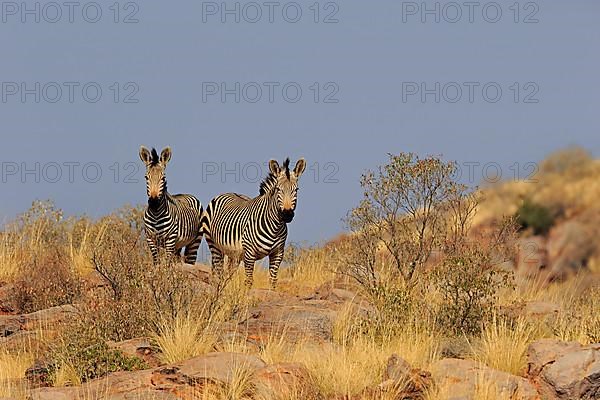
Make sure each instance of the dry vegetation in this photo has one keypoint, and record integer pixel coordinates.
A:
(434, 288)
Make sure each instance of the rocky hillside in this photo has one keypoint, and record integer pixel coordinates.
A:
(251, 358)
(559, 211)
(85, 314)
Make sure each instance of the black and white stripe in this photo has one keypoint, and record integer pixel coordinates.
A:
(249, 229)
(172, 222)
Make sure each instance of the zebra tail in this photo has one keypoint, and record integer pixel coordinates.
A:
(204, 223)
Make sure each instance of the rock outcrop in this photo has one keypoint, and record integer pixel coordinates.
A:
(185, 380)
(465, 378)
(565, 370)
(192, 379)
(11, 324)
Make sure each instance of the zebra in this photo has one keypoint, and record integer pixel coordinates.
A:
(171, 222)
(249, 229)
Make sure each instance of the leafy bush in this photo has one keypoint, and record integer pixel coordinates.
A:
(138, 299)
(394, 303)
(469, 277)
(534, 216)
(47, 282)
(468, 285)
(140, 295)
(81, 351)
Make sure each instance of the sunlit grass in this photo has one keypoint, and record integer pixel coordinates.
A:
(185, 337)
(66, 375)
(311, 269)
(239, 386)
(12, 372)
(503, 345)
(80, 248)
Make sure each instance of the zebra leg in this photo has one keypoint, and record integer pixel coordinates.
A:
(216, 257)
(274, 262)
(249, 268)
(153, 250)
(191, 251)
(171, 250)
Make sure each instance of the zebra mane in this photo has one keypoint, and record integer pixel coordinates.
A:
(268, 184)
(286, 165)
(155, 157)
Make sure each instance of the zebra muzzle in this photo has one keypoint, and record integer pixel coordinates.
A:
(154, 201)
(287, 216)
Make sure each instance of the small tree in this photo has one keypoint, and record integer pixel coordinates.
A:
(404, 209)
(412, 233)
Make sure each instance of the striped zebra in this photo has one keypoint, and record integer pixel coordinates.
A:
(171, 222)
(249, 229)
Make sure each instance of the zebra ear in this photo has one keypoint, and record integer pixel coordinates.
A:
(300, 167)
(274, 167)
(165, 156)
(145, 155)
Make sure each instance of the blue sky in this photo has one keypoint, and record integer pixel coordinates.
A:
(478, 88)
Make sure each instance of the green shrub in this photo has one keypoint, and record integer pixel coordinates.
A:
(84, 351)
(468, 284)
(534, 216)
(96, 361)
(393, 304)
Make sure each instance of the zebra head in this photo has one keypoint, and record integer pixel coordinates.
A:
(156, 182)
(286, 186)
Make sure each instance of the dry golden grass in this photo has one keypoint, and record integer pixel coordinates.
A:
(354, 361)
(348, 369)
(581, 322)
(503, 345)
(239, 386)
(564, 294)
(66, 375)
(186, 337)
(82, 238)
(276, 348)
(12, 372)
(27, 237)
(10, 257)
(488, 390)
(309, 269)
(418, 342)
(345, 370)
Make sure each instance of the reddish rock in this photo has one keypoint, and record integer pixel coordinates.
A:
(461, 379)
(565, 370)
(285, 381)
(296, 319)
(185, 380)
(569, 248)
